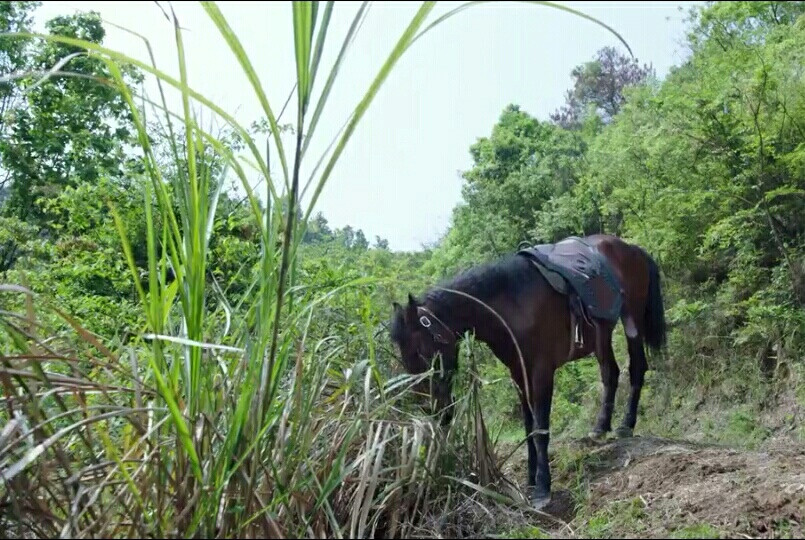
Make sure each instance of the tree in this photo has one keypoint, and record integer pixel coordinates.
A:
(381, 243)
(516, 170)
(70, 130)
(598, 87)
(724, 25)
(14, 58)
(318, 230)
(360, 243)
(346, 236)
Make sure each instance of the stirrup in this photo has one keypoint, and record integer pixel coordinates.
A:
(579, 336)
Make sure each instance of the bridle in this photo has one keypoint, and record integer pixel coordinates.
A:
(425, 316)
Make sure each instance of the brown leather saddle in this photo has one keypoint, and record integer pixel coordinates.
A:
(579, 271)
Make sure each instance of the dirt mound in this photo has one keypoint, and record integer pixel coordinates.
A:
(651, 487)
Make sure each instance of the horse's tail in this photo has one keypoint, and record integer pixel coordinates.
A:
(654, 318)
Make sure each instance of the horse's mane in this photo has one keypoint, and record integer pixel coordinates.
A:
(509, 274)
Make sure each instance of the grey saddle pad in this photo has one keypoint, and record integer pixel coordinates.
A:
(584, 270)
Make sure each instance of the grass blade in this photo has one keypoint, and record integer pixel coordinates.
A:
(325, 24)
(350, 37)
(303, 36)
(462, 7)
(240, 54)
(402, 44)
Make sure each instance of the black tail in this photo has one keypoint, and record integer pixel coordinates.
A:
(655, 312)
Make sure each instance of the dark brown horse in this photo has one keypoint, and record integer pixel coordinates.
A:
(510, 305)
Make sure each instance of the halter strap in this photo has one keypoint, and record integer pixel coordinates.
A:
(424, 320)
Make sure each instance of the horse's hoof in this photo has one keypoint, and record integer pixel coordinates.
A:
(597, 434)
(624, 432)
(538, 498)
(540, 501)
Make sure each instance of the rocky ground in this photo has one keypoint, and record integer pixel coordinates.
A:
(658, 488)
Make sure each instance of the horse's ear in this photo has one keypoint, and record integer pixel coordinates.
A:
(411, 309)
(397, 307)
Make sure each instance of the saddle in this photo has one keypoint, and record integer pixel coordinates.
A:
(580, 272)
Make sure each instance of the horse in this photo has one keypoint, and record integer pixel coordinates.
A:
(531, 326)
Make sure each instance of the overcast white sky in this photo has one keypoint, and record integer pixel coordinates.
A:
(399, 175)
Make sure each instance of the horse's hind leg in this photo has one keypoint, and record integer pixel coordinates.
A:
(609, 377)
(637, 370)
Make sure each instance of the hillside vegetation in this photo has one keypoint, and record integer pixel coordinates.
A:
(185, 354)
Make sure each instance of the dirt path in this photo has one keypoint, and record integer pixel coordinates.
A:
(651, 487)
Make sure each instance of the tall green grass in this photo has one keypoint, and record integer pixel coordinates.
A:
(277, 433)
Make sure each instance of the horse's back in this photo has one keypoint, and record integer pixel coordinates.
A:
(628, 260)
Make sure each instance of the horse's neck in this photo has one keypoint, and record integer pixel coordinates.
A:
(489, 327)
(478, 319)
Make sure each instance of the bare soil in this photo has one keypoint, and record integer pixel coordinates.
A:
(655, 488)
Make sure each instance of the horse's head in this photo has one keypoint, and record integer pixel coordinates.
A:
(425, 341)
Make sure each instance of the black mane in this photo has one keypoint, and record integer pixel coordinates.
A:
(509, 274)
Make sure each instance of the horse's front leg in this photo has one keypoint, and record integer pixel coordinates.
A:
(528, 423)
(542, 395)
